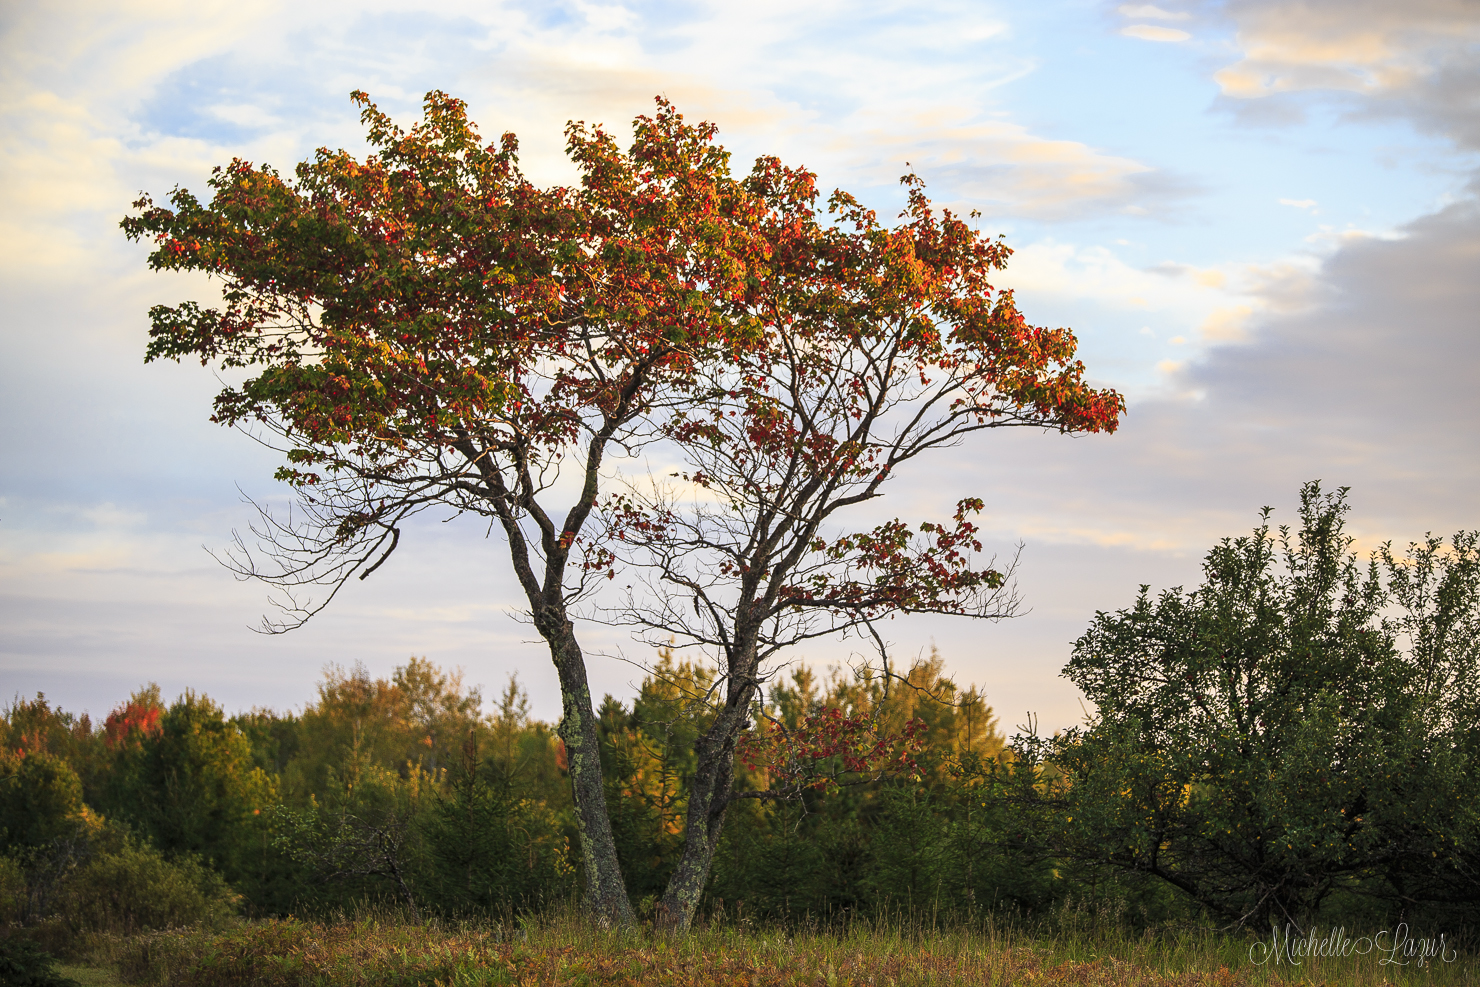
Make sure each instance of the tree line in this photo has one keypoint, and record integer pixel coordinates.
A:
(1293, 741)
(406, 790)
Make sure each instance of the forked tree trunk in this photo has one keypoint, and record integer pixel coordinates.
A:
(606, 894)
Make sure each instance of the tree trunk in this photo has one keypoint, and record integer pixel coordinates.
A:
(606, 893)
(709, 797)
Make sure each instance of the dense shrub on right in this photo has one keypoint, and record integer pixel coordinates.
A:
(1295, 740)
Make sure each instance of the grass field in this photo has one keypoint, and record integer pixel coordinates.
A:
(381, 952)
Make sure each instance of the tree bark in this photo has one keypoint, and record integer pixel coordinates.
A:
(709, 798)
(605, 895)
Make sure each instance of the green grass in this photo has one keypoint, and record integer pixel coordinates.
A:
(91, 976)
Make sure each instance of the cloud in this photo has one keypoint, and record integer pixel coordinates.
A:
(1361, 45)
(1003, 168)
(1358, 372)
(154, 93)
(1154, 32)
(1415, 58)
(1299, 203)
(1195, 307)
(850, 110)
(1226, 325)
(998, 166)
(1097, 272)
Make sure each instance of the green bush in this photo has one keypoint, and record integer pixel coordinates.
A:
(12, 891)
(191, 787)
(493, 853)
(135, 889)
(1291, 741)
(25, 964)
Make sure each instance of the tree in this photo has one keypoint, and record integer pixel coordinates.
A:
(867, 348)
(25, 964)
(28, 725)
(428, 328)
(491, 850)
(188, 783)
(46, 830)
(1298, 727)
(40, 799)
(419, 716)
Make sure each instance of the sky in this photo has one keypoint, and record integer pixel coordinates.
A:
(1259, 217)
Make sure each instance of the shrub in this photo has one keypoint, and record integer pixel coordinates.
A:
(12, 891)
(492, 852)
(136, 889)
(189, 786)
(1294, 735)
(25, 964)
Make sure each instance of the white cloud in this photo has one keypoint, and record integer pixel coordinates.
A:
(1186, 299)
(1331, 238)
(996, 166)
(1299, 203)
(608, 18)
(1226, 325)
(78, 144)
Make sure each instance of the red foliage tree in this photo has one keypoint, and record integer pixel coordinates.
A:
(825, 748)
(131, 722)
(425, 327)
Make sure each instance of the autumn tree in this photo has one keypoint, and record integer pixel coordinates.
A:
(425, 327)
(30, 725)
(40, 798)
(866, 347)
(419, 717)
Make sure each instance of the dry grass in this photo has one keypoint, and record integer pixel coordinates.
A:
(377, 952)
